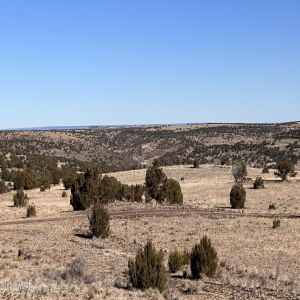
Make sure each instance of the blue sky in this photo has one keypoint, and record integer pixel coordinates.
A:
(99, 62)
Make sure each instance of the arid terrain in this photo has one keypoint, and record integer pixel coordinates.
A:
(132, 147)
(255, 261)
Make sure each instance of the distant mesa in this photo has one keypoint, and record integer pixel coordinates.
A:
(50, 128)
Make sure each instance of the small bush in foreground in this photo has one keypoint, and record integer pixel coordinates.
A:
(147, 270)
(99, 221)
(259, 183)
(31, 212)
(20, 199)
(276, 223)
(237, 196)
(272, 206)
(77, 272)
(64, 194)
(203, 259)
(175, 261)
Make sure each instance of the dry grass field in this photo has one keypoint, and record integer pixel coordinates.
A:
(258, 262)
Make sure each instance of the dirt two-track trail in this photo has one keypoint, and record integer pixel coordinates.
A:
(165, 212)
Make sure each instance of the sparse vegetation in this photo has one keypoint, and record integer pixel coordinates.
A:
(76, 272)
(23, 166)
(85, 189)
(237, 196)
(64, 194)
(31, 211)
(284, 168)
(99, 221)
(147, 269)
(276, 223)
(20, 199)
(272, 206)
(239, 170)
(175, 261)
(154, 180)
(265, 170)
(171, 192)
(259, 183)
(161, 188)
(203, 259)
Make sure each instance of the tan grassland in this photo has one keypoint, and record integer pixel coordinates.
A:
(258, 262)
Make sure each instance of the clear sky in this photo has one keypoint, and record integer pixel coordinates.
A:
(71, 62)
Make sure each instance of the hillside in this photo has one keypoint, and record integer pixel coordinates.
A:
(134, 146)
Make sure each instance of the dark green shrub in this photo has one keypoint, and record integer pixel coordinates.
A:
(30, 181)
(68, 181)
(147, 269)
(237, 196)
(265, 170)
(99, 221)
(171, 192)
(31, 212)
(276, 223)
(259, 183)
(85, 189)
(89, 188)
(154, 180)
(56, 176)
(64, 194)
(272, 206)
(130, 193)
(6, 175)
(18, 181)
(110, 187)
(239, 170)
(138, 193)
(284, 168)
(126, 192)
(196, 163)
(225, 160)
(203, 259)
(42, 188)
(20, 199)
(175, 261)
